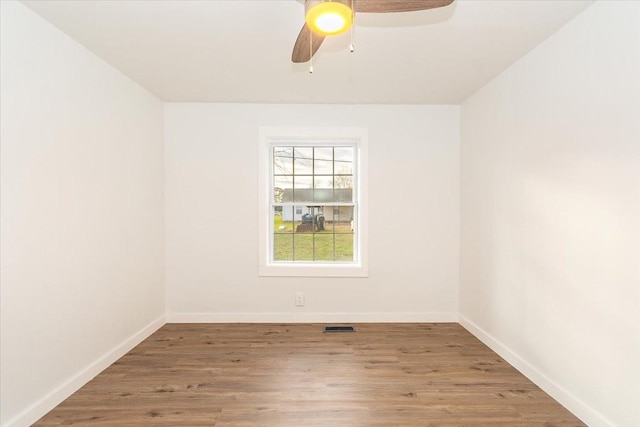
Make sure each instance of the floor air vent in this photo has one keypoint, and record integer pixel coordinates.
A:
(339, 329)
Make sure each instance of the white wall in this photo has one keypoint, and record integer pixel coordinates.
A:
(550, 255)
(211, 216)
(81, 212)
(550, 225)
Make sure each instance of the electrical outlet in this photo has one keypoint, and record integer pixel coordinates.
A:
(299, 299)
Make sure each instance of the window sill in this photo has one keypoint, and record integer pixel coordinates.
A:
(312, 270)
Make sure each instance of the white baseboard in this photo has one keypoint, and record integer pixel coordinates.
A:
(581, 410)
(40, 408)
(312, 317)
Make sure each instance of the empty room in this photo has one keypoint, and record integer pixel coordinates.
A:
(320, 213)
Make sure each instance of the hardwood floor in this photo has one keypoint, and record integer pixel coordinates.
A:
(296, 375)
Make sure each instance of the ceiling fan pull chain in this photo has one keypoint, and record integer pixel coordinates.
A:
(310, 52)
(351, 48)
(353, 19)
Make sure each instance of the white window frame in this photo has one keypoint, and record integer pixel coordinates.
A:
(272, 136)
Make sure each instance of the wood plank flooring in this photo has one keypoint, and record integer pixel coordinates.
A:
(296, 375)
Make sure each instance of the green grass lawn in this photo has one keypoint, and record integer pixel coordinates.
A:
(335, 243)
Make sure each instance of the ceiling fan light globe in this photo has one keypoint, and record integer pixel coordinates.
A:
(330, 23)
(329, 18)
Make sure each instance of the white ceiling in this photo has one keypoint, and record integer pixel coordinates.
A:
(240, 50)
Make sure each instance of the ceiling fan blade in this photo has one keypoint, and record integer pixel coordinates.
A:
(385, 6)
(302, 52)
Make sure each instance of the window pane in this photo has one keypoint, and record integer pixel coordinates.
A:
(283, 160)
(303, 161)
(343, 194)
(323, 167)
(323, 186)
(344, 181)
(303, 247)
(343, 160)
(342, 214)
(283, 247)
(327, 219)
(305, 221)
(283, 219)
(282, 189)
(323, 247)
(344, 247)
(323, 153)
(325, 182)
(303, 189)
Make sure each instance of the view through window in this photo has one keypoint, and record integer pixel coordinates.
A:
(313, 203)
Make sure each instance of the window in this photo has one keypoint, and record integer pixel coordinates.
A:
(313, 202)
(312, 207)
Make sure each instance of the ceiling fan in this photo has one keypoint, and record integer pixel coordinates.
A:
(332, 17)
